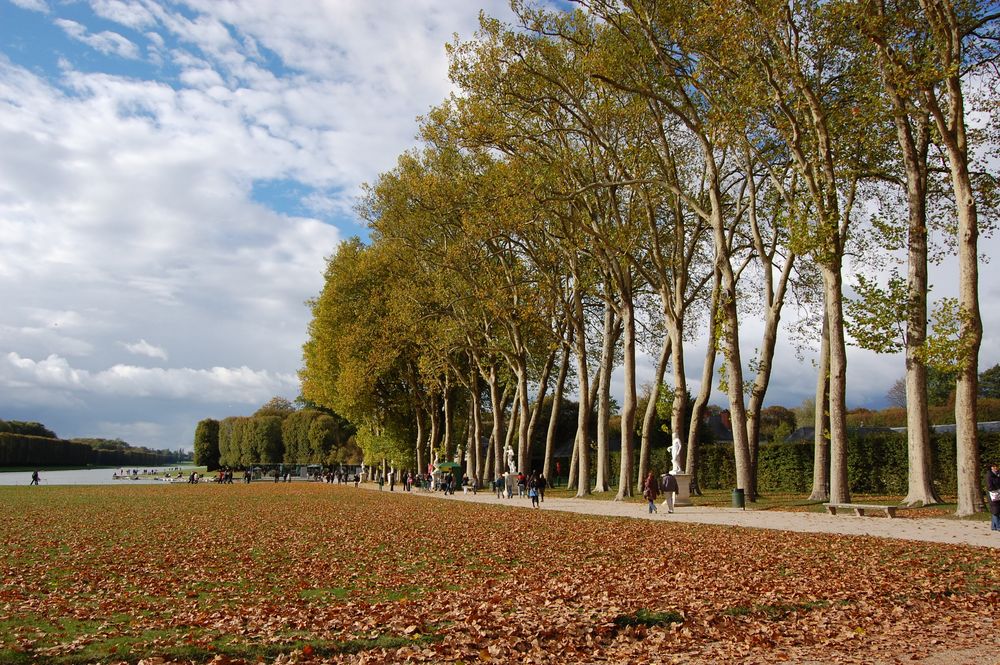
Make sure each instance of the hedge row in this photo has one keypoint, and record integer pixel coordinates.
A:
(877, 463)
(25, 450)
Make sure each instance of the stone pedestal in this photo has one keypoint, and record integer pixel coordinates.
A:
(683, 497)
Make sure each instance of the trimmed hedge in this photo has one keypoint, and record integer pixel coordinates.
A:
(24, 450)
(876, 464)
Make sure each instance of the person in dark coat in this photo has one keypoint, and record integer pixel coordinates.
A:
(993, 489)
(669, 485)
(650, 491)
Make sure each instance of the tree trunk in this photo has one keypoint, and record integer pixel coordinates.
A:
(524, 413)
(488, 473)
(420, 441)
(435, 433)
(821, 421)
(543, 386)
(948, 34)
(602, 483)
(649, 417)
(774, 299)
(679, 411)
(840, 491)
(574, 465)
(920, 482)
(764, 366)
(705, 391)
(449, 442)
(583, 421)
(476, 431)
(497, 402)
(550, 435)
(625, 483)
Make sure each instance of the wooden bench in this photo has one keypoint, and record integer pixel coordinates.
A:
(860, 508)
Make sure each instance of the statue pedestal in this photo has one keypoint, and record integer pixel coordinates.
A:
(683, 497)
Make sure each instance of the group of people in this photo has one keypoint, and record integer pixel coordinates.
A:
(652, 487)
(339, 477)
(445, 482)
(528, 485)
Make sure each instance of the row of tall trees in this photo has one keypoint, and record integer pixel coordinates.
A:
(640, 174)
(276, 433)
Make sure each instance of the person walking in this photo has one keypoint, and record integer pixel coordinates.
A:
(669, 486)
(993, 488)
(34, 477)
(650, 491)
(533, 492)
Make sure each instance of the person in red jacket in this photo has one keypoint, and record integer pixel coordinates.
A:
(650, 491)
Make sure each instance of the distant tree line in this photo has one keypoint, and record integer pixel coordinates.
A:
(33, 444)
(276, 433)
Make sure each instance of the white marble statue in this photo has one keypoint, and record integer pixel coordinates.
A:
(508, 453)
(675, 455)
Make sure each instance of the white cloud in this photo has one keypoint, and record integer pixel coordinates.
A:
(130, 14)
(43, 340)
(107, 42)
(137, 433)
(33, 5)
(144, 348)
(218, 384)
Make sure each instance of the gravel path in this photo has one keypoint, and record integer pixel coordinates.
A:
(934, 530)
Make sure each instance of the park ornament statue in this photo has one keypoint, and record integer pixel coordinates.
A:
(683, 497)
(675, 456)
(509, 455)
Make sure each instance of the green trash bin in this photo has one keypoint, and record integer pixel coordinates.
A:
(739, 499)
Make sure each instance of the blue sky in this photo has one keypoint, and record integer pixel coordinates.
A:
(172, 177)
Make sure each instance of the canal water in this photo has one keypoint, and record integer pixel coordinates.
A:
(94, 476)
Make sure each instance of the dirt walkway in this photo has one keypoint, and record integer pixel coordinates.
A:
(956, 532)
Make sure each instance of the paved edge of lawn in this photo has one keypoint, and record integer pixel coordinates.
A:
(926, 529)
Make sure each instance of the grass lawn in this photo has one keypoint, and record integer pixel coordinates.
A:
(307, 572)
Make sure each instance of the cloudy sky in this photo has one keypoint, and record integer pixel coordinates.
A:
(172, 175)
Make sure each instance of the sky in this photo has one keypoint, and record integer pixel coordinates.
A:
(172, 177)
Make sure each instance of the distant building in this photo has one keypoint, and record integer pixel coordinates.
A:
(991, 426)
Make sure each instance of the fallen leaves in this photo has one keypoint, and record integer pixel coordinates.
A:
(314, 574)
